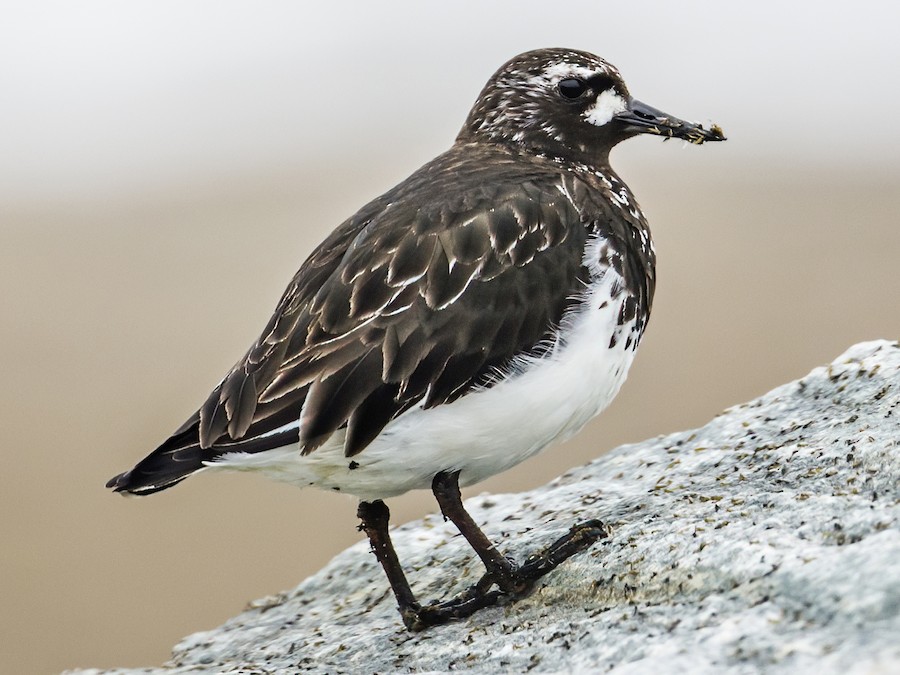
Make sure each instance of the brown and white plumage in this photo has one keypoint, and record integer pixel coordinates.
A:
(516, 252)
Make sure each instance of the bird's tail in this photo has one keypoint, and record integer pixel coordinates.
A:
(172, 462)
(181, 455)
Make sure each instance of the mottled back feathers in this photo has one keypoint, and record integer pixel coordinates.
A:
(440, 285)
(399, 310)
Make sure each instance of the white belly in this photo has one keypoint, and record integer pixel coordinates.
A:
(486, 431)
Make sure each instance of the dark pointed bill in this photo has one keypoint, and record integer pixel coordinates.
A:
(640, 118)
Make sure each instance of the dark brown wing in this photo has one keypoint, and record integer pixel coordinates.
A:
(412, 300)
(418, 298)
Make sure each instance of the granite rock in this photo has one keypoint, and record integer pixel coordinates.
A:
(767, 540)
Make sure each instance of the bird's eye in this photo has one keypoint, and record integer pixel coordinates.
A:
(572, 87)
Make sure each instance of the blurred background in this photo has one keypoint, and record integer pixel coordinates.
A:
(165, 167)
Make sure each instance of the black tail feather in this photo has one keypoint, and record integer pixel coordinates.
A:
(125, 482)
(181, 455)
(169, 464)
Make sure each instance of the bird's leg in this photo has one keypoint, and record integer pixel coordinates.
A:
(375, 516)
(500, 570)
(512, 579)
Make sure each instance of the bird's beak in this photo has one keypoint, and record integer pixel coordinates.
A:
(640, 118)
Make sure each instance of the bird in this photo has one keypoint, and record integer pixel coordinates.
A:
(481, 310)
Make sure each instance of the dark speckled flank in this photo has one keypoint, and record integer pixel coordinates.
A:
(437, 285)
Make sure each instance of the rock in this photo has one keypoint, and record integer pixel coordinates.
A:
(768, 539)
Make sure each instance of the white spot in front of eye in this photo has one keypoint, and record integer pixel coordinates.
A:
(608, 105)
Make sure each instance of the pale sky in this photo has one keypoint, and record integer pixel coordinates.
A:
(104, 97)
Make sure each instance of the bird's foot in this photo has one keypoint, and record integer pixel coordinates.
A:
(504, 586)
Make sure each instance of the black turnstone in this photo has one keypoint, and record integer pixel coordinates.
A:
(487, 306)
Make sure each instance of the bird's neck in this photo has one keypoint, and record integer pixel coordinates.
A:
(569, 159)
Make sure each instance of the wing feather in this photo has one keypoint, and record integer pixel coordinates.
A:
(394, 309)
(333, 398)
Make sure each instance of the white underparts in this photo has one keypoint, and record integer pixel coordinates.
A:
(608, 105)
(535, 402)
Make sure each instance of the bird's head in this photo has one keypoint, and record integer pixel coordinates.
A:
(568, 103)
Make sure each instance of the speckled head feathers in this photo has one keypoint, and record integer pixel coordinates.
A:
(527, 102)
(567, 104)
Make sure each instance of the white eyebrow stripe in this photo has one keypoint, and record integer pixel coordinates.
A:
(608, 105)
(557, 72)
(563, 70)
